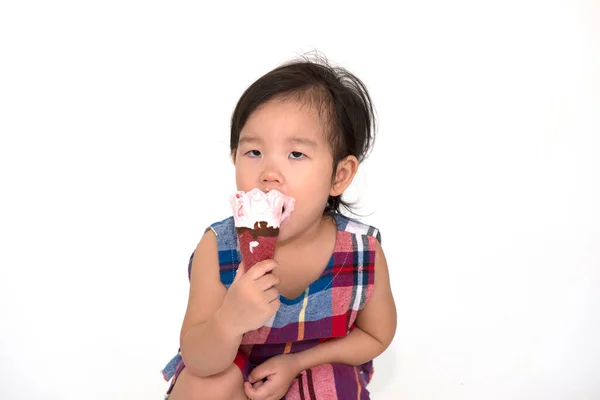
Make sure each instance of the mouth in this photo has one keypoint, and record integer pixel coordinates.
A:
(267, 190)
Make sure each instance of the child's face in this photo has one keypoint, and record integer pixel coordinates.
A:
(283, 146)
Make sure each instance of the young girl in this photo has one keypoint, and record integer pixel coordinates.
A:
(307, 324)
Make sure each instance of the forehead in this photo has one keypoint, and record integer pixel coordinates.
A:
(285, 119)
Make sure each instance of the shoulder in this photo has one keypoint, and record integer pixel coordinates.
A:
(224, 230)
(221, 226)
(356, 227)
(219, 238)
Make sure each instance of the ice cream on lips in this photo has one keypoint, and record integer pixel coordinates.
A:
(255, 206)
(258, 216)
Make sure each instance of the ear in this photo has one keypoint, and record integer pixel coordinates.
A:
(344, 174)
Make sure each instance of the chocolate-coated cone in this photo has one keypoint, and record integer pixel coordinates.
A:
(255, 248)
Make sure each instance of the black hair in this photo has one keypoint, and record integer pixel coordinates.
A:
(341, 99)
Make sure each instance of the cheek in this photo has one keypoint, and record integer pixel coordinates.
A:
(317, 175)
(311, 195)
(242, 178)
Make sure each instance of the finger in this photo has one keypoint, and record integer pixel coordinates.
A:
(253, 393)
(267, 281)
(250, 391)
(264, 391)
(258, 384)
(271, 295)
(261, 268)
(261, 372)
(274, 306)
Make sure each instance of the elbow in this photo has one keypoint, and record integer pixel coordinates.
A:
(389, 337)
(382, 345)
(386, 336)
(377, 349)
(191, 367)
(383, 341)
(377, 344)
(386, 340)
(189, 360)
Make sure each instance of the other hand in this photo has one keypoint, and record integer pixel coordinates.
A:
(279, 371)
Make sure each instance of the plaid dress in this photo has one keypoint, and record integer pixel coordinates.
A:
(327, 309)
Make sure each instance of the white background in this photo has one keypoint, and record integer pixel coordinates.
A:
(484, 181)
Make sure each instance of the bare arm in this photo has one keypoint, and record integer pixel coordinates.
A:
(207, 345)
(374, 331)
(216, 317)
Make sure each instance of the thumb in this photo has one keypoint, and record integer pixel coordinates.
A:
(241, 271)
(250, 390)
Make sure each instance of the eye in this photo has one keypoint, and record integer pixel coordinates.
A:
(254, 153)
(296, 155)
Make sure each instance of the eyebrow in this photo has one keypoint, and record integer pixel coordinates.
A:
(295, 139)
(304, 141)
(248, 139)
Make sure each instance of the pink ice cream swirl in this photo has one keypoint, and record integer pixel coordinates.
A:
(272, 207)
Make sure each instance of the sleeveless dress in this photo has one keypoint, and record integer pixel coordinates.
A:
(327, 309)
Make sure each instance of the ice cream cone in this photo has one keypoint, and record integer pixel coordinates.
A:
(258, 216)
(257, 244)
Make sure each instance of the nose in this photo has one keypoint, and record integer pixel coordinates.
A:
(271, 175)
